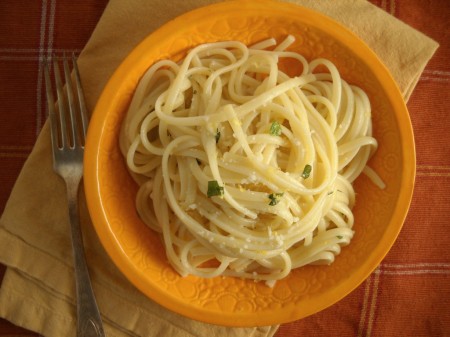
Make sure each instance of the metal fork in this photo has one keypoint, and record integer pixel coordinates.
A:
(68, 130)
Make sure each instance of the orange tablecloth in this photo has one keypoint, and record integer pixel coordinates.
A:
(407, 295)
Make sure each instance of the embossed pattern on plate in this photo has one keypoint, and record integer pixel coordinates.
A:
(379, 214)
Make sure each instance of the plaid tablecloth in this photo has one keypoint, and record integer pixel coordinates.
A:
(407, 295)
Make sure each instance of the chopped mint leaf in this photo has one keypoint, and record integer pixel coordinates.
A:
(274, 198)
(306, 171)
(275, 129)
(214, 189)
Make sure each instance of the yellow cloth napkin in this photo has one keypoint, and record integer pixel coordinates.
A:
(38, 288)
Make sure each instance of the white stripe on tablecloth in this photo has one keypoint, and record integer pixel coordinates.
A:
(435, 75)
(434, 79)
(437, 72)
(373, 302)
(366, 298)
(388, 6)
(416, 272)
(415, 268)
(416, 265)
(39, 79)
(392, 6)
(51, 27)
(31, 54)
(44, 49)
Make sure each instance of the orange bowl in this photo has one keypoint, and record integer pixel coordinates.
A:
(379, 214)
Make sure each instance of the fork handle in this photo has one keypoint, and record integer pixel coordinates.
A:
(89, 323)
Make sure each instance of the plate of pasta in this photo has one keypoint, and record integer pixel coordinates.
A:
(249, 168)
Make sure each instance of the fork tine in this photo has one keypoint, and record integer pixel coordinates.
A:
(72, 110)
(51, 107)
(81, 100)
(61, 105)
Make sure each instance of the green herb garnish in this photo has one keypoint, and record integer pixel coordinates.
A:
(214, 189)
(306, 171)
(217, 136)
(274, 198)
(340, 237)
(275, 129)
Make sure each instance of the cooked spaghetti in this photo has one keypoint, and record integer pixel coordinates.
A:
(245, 170)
